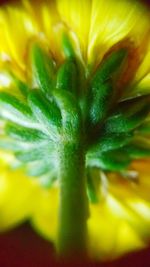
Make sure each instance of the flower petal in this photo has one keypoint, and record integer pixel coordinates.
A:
(76, 15)
(16, 36)
(16, 198)
(113, 21)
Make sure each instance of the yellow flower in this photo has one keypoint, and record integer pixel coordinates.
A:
(120, 221)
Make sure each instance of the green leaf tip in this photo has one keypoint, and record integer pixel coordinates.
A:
(109, 66)
(43, 68)
(46, 113)
(14, 110)
(100, 102)
(67, 46)
(67, 76)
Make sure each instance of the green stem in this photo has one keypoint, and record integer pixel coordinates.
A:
(72, 235)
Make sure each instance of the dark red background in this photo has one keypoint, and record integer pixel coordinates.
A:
(22, 247)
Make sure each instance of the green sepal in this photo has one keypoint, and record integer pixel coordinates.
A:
(46, 113)
(16, 111)
(10, 144)
(42, 151)
(39, 168)
(43, 172)
(24, 134)
(101, 94)
(67, 76)
(67, 47)
(133, 106)
(137, 151)
(30, 155)
(144, 128)
(129, 116)
(110, 66)
(100, 102)
(47, 180)
(43, 69)
(114, 160)
(23, 87)
(92, 188)
(70, 112)
(110, 142)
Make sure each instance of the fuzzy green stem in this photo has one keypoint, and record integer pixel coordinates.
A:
(72, 235)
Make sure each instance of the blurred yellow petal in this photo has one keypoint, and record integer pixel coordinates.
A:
(76, 15)
(16, 198)
(4, 48)
(109, 242)
(143, 168)
(129, 239)
(142, 87)
(17, 39)
(144, 68)
(45, 214)
(113, 21)
(138, 185)
(49, 26)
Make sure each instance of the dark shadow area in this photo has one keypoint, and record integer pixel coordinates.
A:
(22, 247)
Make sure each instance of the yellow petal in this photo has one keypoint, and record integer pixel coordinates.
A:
(144, 68)
(77, 16)
(142, 191)
(140, 85)
(113, 21)
(16, 198)
(49, 26)
(22, 27)
(110, 231)
(45, 214)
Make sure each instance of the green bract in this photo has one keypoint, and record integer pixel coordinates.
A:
(67, 76)
(67, 107)
(43, 69)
